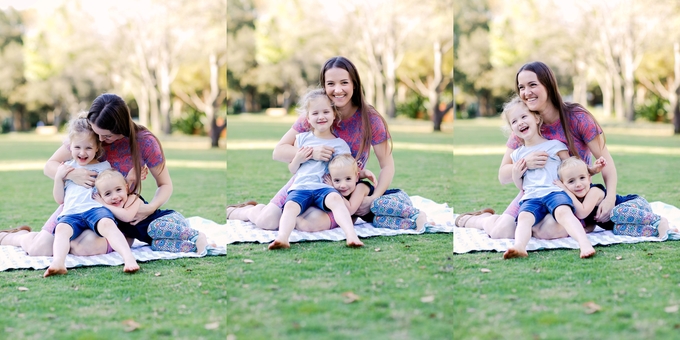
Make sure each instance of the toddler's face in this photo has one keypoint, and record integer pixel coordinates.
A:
(113, 191)
(344, 179)
(576, 179)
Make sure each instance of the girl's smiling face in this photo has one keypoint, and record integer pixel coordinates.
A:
(84, 148)
(320, 114)
(339, 87)
(576, 179)
(524, 124)
(344, 179)
(113, 190)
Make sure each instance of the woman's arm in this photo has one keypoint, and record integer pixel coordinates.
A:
(164, 183)
(80, 176)
(285, 149)
(599, 149)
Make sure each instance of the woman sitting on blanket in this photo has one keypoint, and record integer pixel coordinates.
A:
(569, 123)
(129, 148)
(392, 210)
(360, 126)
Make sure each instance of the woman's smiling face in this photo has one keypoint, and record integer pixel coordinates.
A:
(531, 91)
(338, 86)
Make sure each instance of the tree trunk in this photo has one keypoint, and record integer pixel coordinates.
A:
(439, 115)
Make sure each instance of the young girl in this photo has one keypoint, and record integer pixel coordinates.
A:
(81, 211)
(541, 196)
(308, 188)
(164, 230)
(392, 210)
(632, 215)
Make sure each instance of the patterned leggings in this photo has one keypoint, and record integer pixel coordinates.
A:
(172, 233)
(394, 210)
(635, 218)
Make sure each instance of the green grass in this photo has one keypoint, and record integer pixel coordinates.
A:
(543, 297)
(94, 302)
(298, 293)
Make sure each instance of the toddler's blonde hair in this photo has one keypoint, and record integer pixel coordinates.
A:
(341, 161)
(571, 162)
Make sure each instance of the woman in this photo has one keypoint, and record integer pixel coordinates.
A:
(111, 120)
(570, 123)
(360, 126)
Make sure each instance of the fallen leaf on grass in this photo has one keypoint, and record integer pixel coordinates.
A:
(427, 299)
(22, 289)
(671, 309)
(619, 257)
(350, 297)
(231, 337)
(248, 261)
(157, 274)
(131, 325)
(592, 307)
(212, 325)
(377, 249)
(485, 270)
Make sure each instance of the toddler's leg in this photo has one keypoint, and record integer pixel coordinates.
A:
(634, 212)
(290, 212)
(171, 226)
(566, 218)
(342, 217)
(109, 230)
(525, 221)
(62, 236)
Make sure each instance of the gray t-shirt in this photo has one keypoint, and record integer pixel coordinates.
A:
(78, 199)
(310, 174)
(539, 182)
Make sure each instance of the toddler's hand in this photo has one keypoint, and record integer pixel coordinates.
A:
(368, 174)
(327, 179)
(560, 184)
(597, 167)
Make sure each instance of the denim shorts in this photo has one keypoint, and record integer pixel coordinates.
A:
(86, 220)
(542, 206)
(309, 198)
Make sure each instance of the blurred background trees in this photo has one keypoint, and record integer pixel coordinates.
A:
(619, 57)
(403, 50)
(166, 58)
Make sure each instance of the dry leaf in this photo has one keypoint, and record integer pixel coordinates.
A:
(619, 257)
(350, 297)
(592, 307)
(485, 270)
(23, 289)
(248, 261)
(131, 325)
(212, 325)
(377, 249)
(231, 337)
(671, 309)
(157, 274)
(427, 299)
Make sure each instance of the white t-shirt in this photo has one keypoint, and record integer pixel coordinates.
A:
(78, 199)
(539, 182)
(310, 174)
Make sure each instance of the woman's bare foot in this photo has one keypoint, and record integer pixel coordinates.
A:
(514, 253)
(354, 243)
(55, 270)
(276, 244)
(201, 243)
(663, 227)
(587, 252)
(420, 221)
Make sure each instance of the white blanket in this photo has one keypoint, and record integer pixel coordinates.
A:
(15, 258)
(439, 215)
(467, 239)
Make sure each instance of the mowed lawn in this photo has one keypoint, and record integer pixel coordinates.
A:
(167, 299)
(393, 288)
(624, 292)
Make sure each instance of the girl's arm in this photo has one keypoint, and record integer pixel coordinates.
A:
(599, 149)
(80, 176)
(357, 197)
(60, 177)
(285, 149)
(125, 214)
(505, 170)
(164, 183)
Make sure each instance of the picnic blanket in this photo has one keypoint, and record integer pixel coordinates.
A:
(468, 239)
(15, 257)
(440, 215)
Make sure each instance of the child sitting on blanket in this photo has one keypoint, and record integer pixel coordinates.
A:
(80, 210)
(541, 196)
(308, 188)
(632, 215)
(393, 210)
(164, 230)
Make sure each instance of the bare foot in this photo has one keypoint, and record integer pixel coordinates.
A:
(663, 227)
(55, 271)
(131, 268)
(201, 242)
(354, 243)
(587, 252)
(276, 244)
(420, 221)
(514, 253)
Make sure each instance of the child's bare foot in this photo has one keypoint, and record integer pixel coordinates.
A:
(276, 244)
(201, 243)
(514, 253)
(54, 270)
(663, 227)
(354, 243)
(420, 221)
(131, 268)
(587, 252)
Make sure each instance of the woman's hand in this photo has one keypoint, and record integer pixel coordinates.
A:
(144, 211)
(323, 153)
(605, 208)
(81, 176)
(367, 174)
(536, 160)
(365, 206)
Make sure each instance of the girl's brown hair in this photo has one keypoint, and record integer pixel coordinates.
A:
(547, 78)
(110, 112)
(357, 100)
